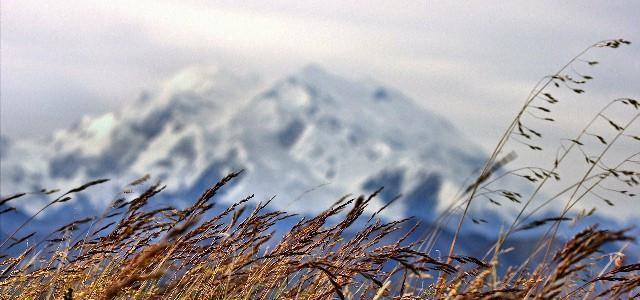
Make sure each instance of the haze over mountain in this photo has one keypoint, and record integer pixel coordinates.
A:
(309, 138)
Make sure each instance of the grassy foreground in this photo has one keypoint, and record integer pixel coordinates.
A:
(171, 254)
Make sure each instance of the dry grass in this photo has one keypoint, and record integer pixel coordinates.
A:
(135, 250)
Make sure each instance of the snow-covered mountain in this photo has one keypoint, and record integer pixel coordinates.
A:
(309, 139)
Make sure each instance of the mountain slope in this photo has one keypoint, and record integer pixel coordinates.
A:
(309, 139)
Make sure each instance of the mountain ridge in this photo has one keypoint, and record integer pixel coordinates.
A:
(309, 131)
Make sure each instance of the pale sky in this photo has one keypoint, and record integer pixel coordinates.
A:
(472, 61)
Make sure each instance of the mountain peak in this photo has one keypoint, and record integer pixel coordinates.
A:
(203, 79)
(314, 70)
